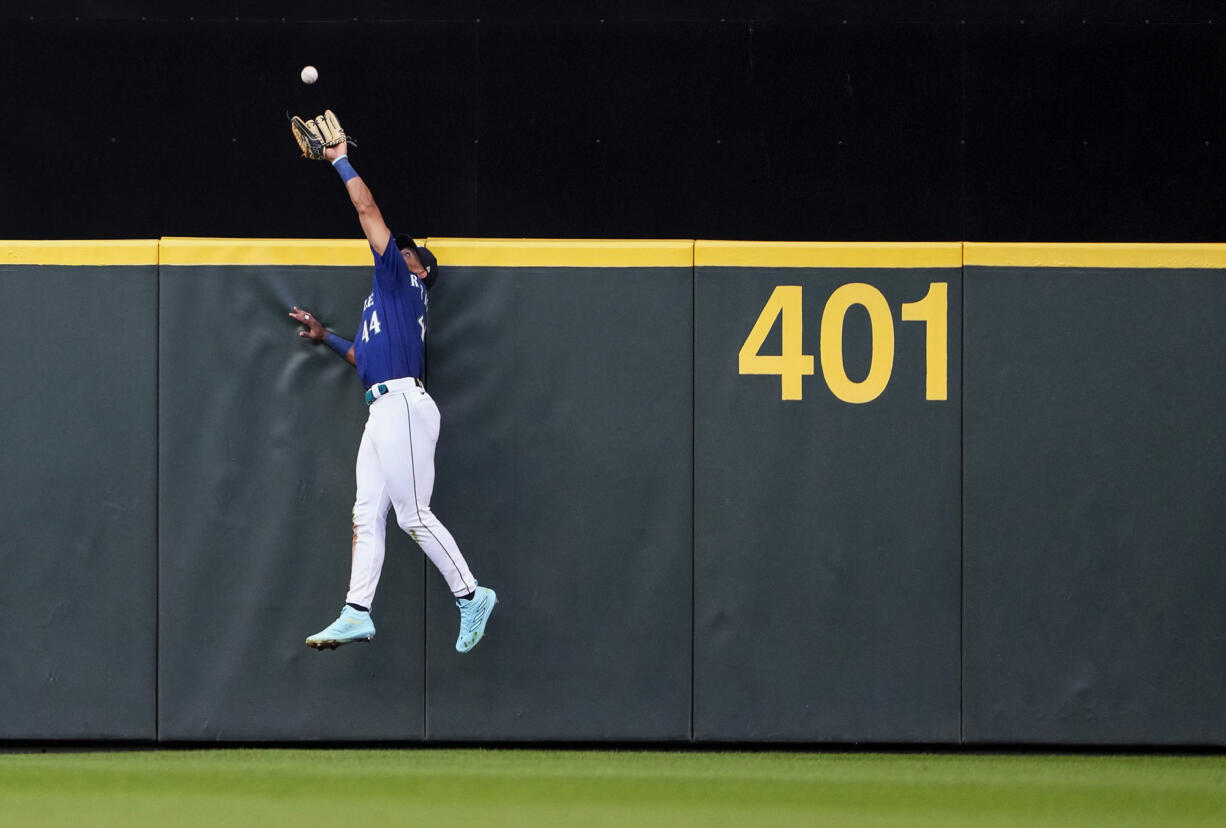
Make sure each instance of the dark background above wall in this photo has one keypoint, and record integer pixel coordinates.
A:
(1016, 121)
(990, 11)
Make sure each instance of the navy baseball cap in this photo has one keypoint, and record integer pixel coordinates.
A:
(405, 241)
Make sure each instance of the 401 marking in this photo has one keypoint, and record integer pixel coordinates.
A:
(786, 303)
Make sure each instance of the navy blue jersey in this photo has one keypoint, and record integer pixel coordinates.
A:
(390, 344)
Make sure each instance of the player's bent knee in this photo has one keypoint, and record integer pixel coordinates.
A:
(416, 520)
(365, 516)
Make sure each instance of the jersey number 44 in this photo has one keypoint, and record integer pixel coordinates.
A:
(373, 327)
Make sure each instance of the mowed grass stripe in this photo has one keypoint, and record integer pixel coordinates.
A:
(531, 787)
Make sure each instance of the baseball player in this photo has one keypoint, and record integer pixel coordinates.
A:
(395, 465)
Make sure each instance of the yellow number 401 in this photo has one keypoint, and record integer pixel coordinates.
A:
(792, 364)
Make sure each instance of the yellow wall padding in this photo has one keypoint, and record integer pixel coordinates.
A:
(827, 254)
(79, 252)
(992, 254)
(314, 252)
(562, 252)
(602, 253)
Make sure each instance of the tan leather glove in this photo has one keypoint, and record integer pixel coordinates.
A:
(317, 134)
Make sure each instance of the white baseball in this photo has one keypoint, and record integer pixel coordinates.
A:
(309, 74)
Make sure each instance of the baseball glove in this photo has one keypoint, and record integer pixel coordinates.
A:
(317, 134)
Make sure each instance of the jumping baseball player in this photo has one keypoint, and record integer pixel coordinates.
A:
(395, 464)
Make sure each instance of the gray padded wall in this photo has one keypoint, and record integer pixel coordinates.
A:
(564, 473)
(586, 423)
(259, 432)
(78, 486)
(826, 533)
(1095, 523)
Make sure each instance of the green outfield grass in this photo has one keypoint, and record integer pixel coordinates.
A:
(358, 788)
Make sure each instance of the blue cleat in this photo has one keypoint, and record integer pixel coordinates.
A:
(474, 614)
(353, 625)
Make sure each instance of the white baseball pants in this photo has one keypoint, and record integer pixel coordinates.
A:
(396, 468)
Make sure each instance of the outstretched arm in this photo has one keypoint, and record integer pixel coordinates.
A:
(368, 212)
(316, 332)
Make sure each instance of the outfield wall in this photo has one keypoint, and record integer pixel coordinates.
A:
(728, 492)
(826, 557)
(78, 484)
(1094, 509)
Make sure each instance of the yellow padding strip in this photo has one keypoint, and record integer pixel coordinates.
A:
(992, 254)
(80, 252)
(316, 252)
(562, 252)
(827, 254)
(614, 253)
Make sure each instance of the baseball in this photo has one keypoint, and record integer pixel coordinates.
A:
(309, 74)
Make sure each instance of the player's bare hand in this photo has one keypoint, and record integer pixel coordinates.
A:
(333, 153)
(315, 330)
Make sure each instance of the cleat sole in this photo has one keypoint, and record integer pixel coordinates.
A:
(332, 644)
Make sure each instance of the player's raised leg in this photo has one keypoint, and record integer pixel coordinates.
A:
(369, 542)
(405, 431)
(369, 527)
(408, 427)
